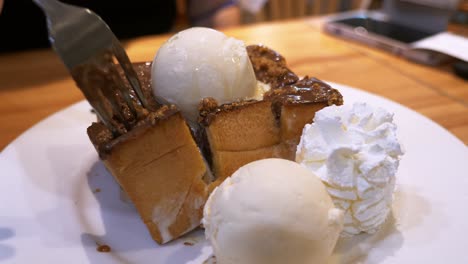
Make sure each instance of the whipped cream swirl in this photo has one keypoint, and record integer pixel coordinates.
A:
(355, 151)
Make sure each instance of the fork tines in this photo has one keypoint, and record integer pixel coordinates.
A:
(118, 105)
(95, 57)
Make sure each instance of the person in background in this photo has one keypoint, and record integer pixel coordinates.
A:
(212, 13)
(23, 24)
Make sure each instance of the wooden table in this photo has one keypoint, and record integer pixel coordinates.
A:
(35, 84)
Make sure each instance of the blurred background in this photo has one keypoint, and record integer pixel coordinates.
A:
(23, 26)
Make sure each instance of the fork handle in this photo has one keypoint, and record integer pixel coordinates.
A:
(47, 5)
(52, 8)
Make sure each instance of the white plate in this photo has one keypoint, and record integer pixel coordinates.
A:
(50, 211)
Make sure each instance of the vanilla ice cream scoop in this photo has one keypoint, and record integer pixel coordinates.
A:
(272, 211)
(201, 62)
(355, 151)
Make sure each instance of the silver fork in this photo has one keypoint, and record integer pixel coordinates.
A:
(90, 50)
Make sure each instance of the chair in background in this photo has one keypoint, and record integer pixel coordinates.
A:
(285, 9)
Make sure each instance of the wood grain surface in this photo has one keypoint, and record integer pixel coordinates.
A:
(35, 84)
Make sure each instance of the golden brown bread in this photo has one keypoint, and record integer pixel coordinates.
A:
(244, 131)
(157, 161)
(160, 168)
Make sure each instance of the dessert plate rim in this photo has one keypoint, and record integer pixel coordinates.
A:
(59, 203)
